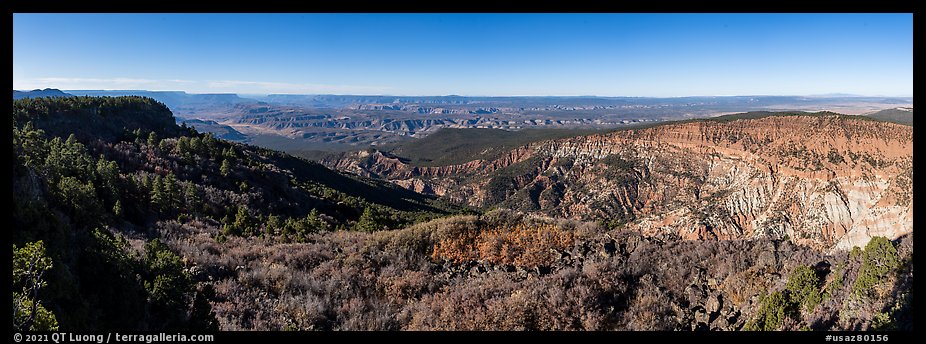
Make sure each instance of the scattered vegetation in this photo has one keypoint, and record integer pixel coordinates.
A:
(139, 224)
(857, 306)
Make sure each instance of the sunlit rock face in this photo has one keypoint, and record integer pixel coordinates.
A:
(827, 181)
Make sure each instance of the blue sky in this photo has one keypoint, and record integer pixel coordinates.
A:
(657, 55)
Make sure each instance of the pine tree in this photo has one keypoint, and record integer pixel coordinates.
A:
(171, 192)
(271, 226)
(242, 222)
(33, 144)
(228, 228)
(183, 148)
(229, 153)
(29, 266)
(191, 197)
(72, 140)
(153, 139)
(225, 170)
(138, 136)
(195, 145)
(367, 221)
(144, 182)
(315, 223)
(158, 200)
(286, 234)
(117, 208)
(209, 144)
(107, 173)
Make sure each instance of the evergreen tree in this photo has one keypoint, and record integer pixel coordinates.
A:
(31, 143)
(158, 198)
(314, 222)
(225, 170)
(138, 136)
(107, 173)
(183, 149)
(229, 153)
(171, 191)
(117, 208)
(242, 221)
(191, 197)
(196, 145)
(72, 140)
(153, 139)
(287, 233)
(145, 182)
(80, 199)
(166, 281)
(804, 286)
(879, 259)
(367, 221)
(29, 266)
(272, 224)
(209, 143)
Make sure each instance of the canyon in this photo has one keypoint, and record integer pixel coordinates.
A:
(824, 180)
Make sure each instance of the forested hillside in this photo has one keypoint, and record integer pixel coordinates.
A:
(93, 176)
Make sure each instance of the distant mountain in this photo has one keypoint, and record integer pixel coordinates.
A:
(179, 102)
(901, 115)
(48, 92)
(835, 95)
(337, 101)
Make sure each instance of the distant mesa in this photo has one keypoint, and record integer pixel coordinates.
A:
(176, 100)
(36, 93)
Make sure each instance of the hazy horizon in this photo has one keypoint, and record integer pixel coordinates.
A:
(606, 55)
(245, 95)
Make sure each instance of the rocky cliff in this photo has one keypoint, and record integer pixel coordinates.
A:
(824, 180)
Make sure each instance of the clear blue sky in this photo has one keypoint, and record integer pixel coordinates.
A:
(469, 54)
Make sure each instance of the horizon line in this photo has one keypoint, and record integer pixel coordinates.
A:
(824, 95)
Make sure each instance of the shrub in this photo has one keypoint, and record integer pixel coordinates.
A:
(772, 313)
(523, 245)
(804, 287)
(878, 260)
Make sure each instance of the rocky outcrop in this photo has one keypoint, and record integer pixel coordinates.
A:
(826, 181)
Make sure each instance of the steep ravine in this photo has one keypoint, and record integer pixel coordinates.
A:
(826, 181)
